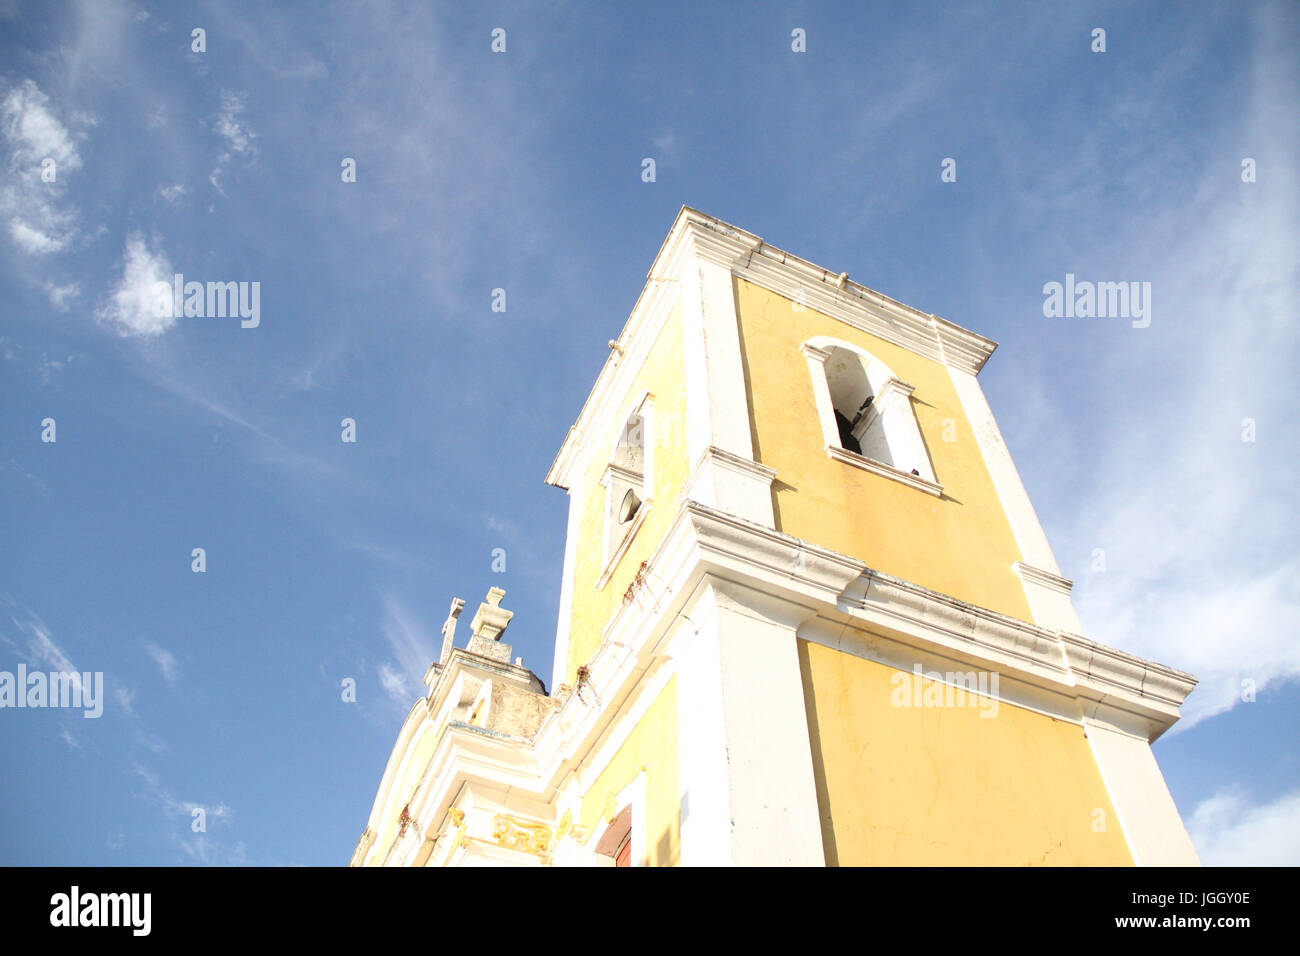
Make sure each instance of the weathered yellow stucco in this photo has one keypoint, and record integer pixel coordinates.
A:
(651, 744)
(944, 785)
(961, 544)
(664, 376)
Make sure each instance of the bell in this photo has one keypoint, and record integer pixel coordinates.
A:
(630, 506)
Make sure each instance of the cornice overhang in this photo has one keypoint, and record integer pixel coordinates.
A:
(707, 547)
(704, 542)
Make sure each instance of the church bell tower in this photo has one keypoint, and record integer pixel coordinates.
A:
(808, 616)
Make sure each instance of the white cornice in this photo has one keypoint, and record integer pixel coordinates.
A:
(1056, 660)
(1113, 677)
(750, 258)
(736, 463)
(1047, 579)
(618, 471)
(706, 547)
(840, 586)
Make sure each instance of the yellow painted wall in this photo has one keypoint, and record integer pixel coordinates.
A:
(664, 375)
(961, 545)
(653, 745)
(944, 785)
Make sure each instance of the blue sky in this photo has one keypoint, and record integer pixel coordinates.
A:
(522, 171)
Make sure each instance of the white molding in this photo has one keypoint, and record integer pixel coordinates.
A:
(821, 392)
(728, 482)
(717, 406)
(1047, 579)
(884, 471)
(626, 474)
(751, 258)
(1147, 814)
(702, 770)
(837, 585)
(1115, 684)
(1028, 532)
(564, 622)
(755, 702)
(1048, 595)
(615, 380)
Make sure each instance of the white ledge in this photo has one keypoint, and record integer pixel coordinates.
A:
(885, 471)
(1028, 572)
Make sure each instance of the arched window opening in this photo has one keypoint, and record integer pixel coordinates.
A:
(627, 485)
(629, 454)
(866, 414)
(861, 428)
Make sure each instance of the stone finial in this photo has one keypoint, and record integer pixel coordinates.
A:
(491, 620)
(488, 626)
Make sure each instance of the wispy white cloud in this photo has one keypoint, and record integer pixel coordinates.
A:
(194, 388)
(1175, 489)
(33, 133)
(37, 645)
(1229, 830)
(40, 152)
(1136, 447)
(50, 367)
(214, 813)
(667, 147)
(125, 699)
(412, 645)
(99, 42)
(239, 138)
(171, 193)
(32, 240)
(395, 685)
(166, 661)
(321, 368)
(62, 296)
(129, 309)
(206, 851)
(151, 742)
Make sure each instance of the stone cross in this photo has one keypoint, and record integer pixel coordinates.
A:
(449, 629)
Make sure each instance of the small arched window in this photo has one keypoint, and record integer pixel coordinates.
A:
(629, 459)
(627, 484)
(866, 414)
